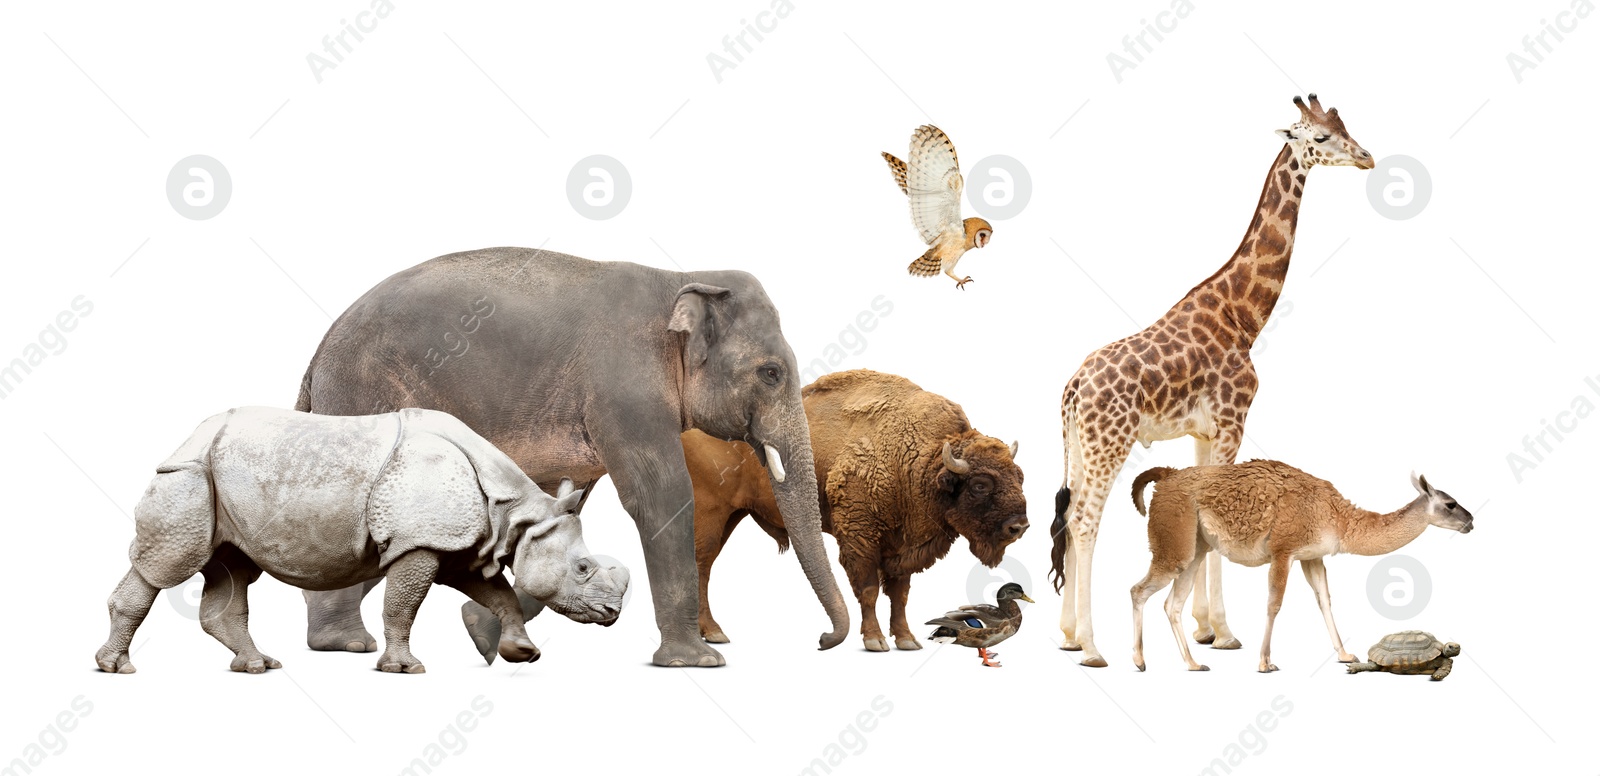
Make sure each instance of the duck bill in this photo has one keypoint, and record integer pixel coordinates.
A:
(1025, 597)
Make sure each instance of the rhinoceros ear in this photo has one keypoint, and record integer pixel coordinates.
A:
(692, 316)
(568, 499)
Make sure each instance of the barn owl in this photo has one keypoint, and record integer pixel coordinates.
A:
(933, 182)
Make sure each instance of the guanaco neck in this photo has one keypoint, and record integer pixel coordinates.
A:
(1247, 288)
(1364, 532)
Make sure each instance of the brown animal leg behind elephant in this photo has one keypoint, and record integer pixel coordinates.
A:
(710, 536)
(898, 589)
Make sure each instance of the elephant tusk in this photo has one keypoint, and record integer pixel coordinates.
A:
(774, 463)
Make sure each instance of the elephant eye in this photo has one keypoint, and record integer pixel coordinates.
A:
(770, 374)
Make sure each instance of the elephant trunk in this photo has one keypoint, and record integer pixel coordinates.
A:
(796, 494)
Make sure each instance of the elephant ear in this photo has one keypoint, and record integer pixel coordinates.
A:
(692, 316)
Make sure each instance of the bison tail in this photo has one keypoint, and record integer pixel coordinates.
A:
(1058, 539)
(1157, 474)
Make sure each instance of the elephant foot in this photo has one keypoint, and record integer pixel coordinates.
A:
(113, 661)
(674, 654)
(400, 661)
(253, 663)
(484, 628)
(907, 643)
(333, 623)
(520, 650)
(1226, 642)
(875, 643)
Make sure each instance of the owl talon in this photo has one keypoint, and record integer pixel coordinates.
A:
(962, 284)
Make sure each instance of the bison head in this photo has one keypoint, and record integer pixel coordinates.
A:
(981, 488)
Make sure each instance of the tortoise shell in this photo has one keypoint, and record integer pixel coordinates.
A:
(1406, 649)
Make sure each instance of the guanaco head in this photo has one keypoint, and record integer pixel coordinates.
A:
(1443, 511)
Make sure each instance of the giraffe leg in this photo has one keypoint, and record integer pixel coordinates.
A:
(1069, 597)
(1317, 575)
(1222, 450)
(1084, 526)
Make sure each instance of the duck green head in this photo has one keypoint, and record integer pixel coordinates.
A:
(1011, 591)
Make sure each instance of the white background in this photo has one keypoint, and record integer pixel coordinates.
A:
(1435, 343)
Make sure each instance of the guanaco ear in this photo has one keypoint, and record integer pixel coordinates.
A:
(1286, 134)
(1421, 484)
(692, 316)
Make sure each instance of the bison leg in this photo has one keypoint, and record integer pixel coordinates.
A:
(708, 543)
(862, 568)
(498, 602)
(129, 604)
(409, 578)
(225, 609)
(898, 589)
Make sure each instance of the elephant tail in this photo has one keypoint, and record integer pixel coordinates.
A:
(303, 403)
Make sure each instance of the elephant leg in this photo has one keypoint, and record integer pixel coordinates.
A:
(409, 577)
(499, 604)
(652, 480)
(898, 589)
(129, 603)
(333, 619)
(225, 609)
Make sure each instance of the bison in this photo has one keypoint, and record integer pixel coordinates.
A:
(900, 472)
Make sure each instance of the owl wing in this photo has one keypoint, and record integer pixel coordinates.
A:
(934, 183)
(897, 168)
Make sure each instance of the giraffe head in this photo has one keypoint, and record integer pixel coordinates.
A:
(1319, 137)
(978, 232)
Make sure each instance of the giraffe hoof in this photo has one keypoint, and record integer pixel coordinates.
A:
(1071, 646)
(1093, 662)
(1204, 637)
(1226, 643)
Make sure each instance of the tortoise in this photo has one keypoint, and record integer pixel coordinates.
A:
(1409, 652)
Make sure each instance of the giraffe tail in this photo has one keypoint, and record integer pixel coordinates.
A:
(1151, 475)
(927, 265)
(898, 169)
(1058, 539)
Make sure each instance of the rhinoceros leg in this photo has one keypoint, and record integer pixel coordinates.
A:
(225, 610)
(497, 608)
(409, 578)
(484, 626)
(333, 619)
(129, 604)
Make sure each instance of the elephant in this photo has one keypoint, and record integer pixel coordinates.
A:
(578, 369)
(324, 502)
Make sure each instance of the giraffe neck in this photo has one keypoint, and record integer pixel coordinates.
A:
(1246, 289)
(1364, 532)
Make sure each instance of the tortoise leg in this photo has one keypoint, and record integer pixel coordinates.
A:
(1443, 670)
(1356, 668)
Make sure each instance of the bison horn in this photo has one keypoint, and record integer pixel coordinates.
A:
(774, 463)
(954, 464)
(1014, 445)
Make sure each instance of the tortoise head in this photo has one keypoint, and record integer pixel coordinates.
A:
(1452, 649)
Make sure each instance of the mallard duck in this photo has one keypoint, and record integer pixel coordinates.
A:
(982, 626)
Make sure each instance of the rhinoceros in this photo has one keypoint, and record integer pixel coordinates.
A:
(324, 502)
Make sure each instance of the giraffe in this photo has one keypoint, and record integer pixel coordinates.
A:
(1188, 374)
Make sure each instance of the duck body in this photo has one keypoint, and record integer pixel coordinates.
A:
(981, 626)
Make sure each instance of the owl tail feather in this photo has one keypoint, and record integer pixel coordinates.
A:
(926, 265)
(898, 169)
